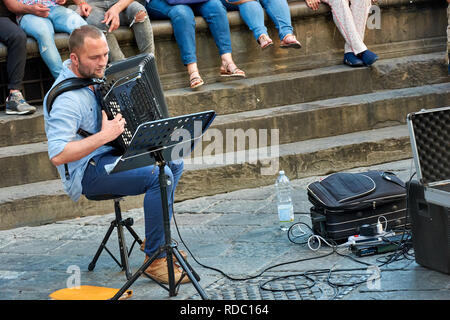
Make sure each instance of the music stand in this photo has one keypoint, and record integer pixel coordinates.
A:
(154, 142)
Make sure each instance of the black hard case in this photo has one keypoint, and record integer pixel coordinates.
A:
(430, 225)
(343, 202)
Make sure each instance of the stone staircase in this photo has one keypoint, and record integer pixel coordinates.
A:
(315, 115)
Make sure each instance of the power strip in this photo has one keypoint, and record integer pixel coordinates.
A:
(357, 239)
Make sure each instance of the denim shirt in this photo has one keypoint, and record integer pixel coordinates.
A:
(70, 111)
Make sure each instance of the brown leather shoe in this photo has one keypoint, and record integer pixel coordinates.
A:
(158, 270)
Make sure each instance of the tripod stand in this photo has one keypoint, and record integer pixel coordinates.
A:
(138, 157)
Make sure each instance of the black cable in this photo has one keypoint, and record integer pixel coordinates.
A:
(305, 274)
(241, 279)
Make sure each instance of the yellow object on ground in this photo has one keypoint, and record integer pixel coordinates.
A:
(88, 293)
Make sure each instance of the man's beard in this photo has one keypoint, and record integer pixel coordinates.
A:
(86, 73)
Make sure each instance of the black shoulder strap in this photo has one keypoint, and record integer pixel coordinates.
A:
(67, 85)
(64, 86)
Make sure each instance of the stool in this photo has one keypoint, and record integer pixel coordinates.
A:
(118, 223)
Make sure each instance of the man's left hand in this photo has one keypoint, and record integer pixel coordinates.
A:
(85, 9)
(112, 19)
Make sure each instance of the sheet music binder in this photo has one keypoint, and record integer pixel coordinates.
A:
(163, 136)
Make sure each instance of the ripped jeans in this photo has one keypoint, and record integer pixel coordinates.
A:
(142, 30)
(60, 19)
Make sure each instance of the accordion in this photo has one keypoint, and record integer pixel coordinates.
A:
(132, 88)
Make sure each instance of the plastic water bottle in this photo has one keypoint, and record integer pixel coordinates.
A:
(285, 207)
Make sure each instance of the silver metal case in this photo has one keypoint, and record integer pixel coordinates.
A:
(429, 132)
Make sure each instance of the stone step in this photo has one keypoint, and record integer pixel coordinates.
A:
(44, 202)
(270, 91)
(26, 163)
(304, 86)
(29, 163)
(325, 118)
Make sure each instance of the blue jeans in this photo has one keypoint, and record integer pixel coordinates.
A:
(134, 182)
(252, 13)
(182, 17)
(60, 19)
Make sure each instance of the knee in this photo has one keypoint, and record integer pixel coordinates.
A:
(215, 7)
(138, 11)
(181, 14)
(140, 16)
(170, 177)
(74, 20)
(18, 38)
(45, 35)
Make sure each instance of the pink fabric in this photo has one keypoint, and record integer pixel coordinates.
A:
(350, 18)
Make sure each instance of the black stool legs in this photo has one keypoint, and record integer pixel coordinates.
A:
(119, 224)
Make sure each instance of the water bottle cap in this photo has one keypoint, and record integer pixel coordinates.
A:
(281, 172)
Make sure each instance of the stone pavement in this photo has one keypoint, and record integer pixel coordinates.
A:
(236, 232)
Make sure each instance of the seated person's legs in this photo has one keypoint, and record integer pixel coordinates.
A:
(253, 15)
(356, 52)
(15, 40)
(183, 23)
(215, 15)
(360, 12)
(41, 29)
(279, 13)
(136, 15)
(134, 182)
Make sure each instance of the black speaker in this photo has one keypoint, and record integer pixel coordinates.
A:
(430, 225)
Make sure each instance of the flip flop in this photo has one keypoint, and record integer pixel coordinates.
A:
(292, 43)
(225, 71)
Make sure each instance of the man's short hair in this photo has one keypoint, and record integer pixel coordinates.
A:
(76, 39)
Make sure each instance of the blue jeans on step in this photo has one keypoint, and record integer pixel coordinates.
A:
(60, 19)
(252, 12)
(134, 182)
(182, 17)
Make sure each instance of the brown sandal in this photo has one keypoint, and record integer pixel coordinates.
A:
(226, 71)
(195, 81)
(264, 41)
(290, 41)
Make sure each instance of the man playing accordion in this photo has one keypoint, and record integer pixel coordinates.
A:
(81, 160)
